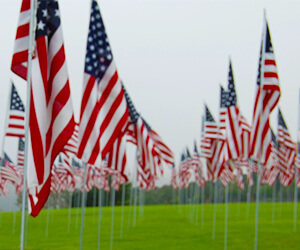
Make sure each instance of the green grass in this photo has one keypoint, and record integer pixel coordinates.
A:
(160, 227)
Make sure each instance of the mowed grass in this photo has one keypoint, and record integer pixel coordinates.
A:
(158, 227)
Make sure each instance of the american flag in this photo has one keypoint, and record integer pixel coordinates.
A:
(16, 115)
(104, 111)
(21, 154)
(233, 130)
(72, 145)
(152, 151)
(287, 151)
(174, 183)
(51, 121)
(198, 167)
(267, 97)
(9, 171)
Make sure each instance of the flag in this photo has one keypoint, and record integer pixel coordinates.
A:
(51, 121)
(174, 183)
(286, 151)
(198, 167)
(16, 115)
(104, 112)
(21, 154)
(233, 130)
(152, 151)
(267, 97)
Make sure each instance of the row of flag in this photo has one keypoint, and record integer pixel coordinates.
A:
(231, 147)
(62, 153)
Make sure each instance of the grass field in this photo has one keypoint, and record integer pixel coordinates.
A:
(158, 227)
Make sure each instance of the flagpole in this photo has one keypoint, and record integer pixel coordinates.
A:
(295, 200)
(259, 164)
(123, 202)
(239, 201)
(215, 209)
(130, 203)
(203, 200)
(296, 174)
(70, 207)
(273, 201)
(30, 53)
(226, 216)
(248, 199)
(100, 215)
(83, 205)
(94, 203)
(113, 193)
(257, 205)
(197, 202)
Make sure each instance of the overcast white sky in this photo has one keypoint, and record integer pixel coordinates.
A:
(173, 54)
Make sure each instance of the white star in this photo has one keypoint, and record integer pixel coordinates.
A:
(45, 13)
(87, 59)
(101, 51)
(102, 59)
(108, 57)
(92, 47)
(89, 68)
(94, 55)
(102, 68)
(41, 25)
(90, 39)
(57, 12)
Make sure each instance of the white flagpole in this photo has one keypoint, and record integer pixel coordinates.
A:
(27, 109)
(248, 199)
(77, 209)
(113, 193)
(70, 208)
(273, 201)
(135, 204)
(257, 205)
(226, 216)
(197, 202)
(100, 215)
(296, 172)
(239, 201)
(83, 205)
(94, 203)
(203, 200)
(215, 209)
(259, 165)
(123, 202)
(130, 203)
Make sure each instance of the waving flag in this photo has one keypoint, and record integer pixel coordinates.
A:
(233, 130)
(104, 112)
(287, 151)
(21, 154)
(16, 115)
(51, 121)
(267, 97)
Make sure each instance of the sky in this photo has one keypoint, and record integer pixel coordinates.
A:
(172, 55)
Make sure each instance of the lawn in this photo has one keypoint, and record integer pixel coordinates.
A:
(158, 227)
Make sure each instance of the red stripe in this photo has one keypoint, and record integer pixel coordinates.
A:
(42, 54)
(58, 104)
(17, 117)
(270, 75)
(15, 135)
(270, 62)
(57, 62)
(16, 65)
(37, 143)
(16, 126)
(87, 93)
(25, 5)
(22, 31)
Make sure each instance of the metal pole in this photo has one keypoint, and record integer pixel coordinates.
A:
(197, 202)
(47, 223)
(130, 203)
(280, 197)
(30, 53)
(226, 216)
(94, 202)
(113, 193)
(83, 206)
(123, 202)
(273, 201)
(77, 209)
(70, 210)
(100, 216)
(239, 201)
(257, 205)
(295, 200)
(135, 203)
(203, 200)
(215, 209)
(248, 199)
